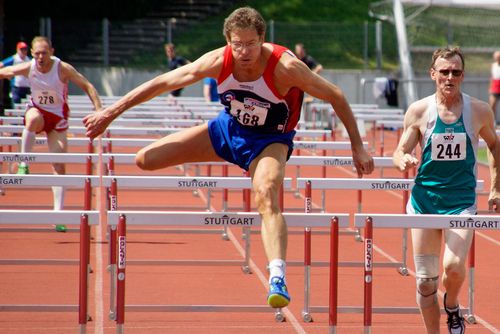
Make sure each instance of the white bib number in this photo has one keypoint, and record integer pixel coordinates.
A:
(449, 146)
(47, 97)
(247, 114)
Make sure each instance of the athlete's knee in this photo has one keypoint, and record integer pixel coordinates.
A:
(454, 268)
(427, 275)
(59, 169)
(141, 160)
(266, 194)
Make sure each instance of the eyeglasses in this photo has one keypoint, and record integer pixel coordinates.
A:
(238, 46)
(455, 73)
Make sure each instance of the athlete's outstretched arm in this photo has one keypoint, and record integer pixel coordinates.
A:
(207, 65)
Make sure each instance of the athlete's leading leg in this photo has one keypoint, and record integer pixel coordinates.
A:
(426, 250)
(190, 145)
(58, 143)
(267, 172)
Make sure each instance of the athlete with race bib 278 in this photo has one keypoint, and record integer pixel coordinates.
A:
(48, 111)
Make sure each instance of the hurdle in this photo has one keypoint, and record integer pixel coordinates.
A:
(369, 221)
(43, 217)
(210, 219)
(182, 183)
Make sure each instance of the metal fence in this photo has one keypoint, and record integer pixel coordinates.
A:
(365, 45)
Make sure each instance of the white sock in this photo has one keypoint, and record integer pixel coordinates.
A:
(58, 197)
(28, 141)
(277, 268)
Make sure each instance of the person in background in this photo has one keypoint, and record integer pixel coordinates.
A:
(447, 125)
(300, 52)
(495, 83)
(19, 85)
(47, 110)
(314, 66)
(261, 86)
(210, 90)
(174, 61)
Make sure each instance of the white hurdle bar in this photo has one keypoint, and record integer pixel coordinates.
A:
(43, 217)
(147, 131)
(370, 221)
(211, 219)
(404, 185)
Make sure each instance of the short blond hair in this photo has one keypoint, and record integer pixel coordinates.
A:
(41, 39)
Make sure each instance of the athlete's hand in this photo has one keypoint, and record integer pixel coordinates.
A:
(363, 162)
(494, 204)
(96, 123)
(406, 162)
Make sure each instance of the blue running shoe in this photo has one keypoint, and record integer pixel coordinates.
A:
(278, 293)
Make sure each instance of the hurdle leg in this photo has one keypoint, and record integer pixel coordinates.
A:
(113, 202)
(120, 281)
(403, 270)
(334, 268)
(357, 235)
(306, 315)
(472, 260)
(112, 273)
(225, 198)
(84, 274)
(246, 265)
(368, 276)
(246, 231)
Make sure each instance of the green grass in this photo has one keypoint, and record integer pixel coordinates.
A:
(482, 156)
(333, 32)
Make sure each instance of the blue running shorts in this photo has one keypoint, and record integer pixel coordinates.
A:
(239, 145)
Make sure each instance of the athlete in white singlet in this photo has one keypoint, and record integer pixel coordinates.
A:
(47, 110)
(447, 125)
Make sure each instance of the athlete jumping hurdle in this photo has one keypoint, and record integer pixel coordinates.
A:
(261, 86)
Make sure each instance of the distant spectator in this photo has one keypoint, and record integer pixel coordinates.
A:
(210, 90)
(300, 52)
(495, 83)
(174, 61)
(20, 86)
(314, 66)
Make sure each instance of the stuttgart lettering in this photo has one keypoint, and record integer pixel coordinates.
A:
(197, 184)
(18, 158)
(471, 223)
(305, 146)
(226, 220)
(390, 185)
(11, 181)
(337, 162)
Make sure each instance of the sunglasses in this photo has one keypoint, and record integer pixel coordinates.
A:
(455, 73)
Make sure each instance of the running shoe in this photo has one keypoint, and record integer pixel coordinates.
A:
(278, 293)
(455, 320)
(23, 169)
(61, 228)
